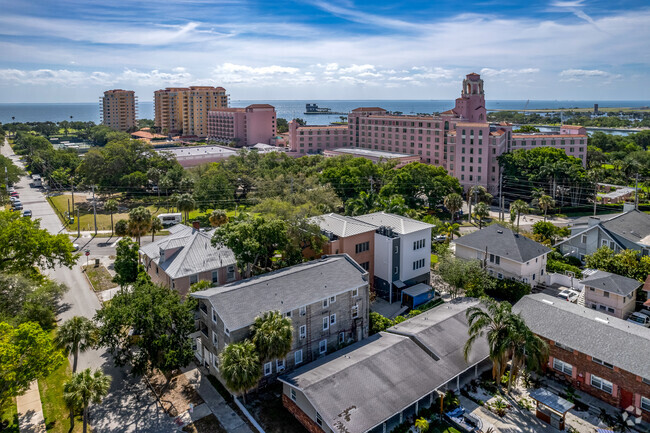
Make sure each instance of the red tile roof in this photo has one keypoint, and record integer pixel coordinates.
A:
(261, 106)
(368, 109)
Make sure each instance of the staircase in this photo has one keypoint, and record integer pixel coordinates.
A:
(581, 299)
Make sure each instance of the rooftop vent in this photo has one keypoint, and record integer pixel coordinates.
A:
(500, 231)
(546, 301)
(601, 320)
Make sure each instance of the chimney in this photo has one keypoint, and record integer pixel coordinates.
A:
(196, 225)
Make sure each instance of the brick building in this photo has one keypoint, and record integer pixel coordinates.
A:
(327, 300)
(244, 126)
(601, 355)
(460, 140)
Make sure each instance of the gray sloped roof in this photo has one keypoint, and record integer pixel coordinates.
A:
(503, 242)
(359, 387)
(341, 226)
(612, 283)
(284, 290)
(633, 226)
(398, 223)
(194, 253)
(608, 338)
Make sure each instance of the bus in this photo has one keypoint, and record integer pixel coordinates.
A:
(169, 219)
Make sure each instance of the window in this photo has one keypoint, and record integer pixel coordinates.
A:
(562, 346)
(606, 294)
(332, 299)
(645, 403)
(355, 293)
(333, 319)
(604, 243)
(303, 331)
(645, 380)
(279, 365)
(418, 264)
(583, 239)
(230, 273)
(322, 347)
(601, 362)
(215, 277)
(419, 244)
(341, 337)
(303, 311)
(362, 247)
(214, 316)
(562, 366)
(319, 419)
(365, 266)
(268, 369)
(325, 303)
(355, 311)
(215, 339)
(601, 384)
(293, 394)
(215, 361)
(326, 323)
(297, 357)
(396, 249)
(194, 279)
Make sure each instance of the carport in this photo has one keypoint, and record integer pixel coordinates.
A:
(551, 408)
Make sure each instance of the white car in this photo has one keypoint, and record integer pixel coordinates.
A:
(569, 295)
(639, 319)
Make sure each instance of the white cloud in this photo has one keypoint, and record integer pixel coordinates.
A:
(489, 72)
(583, 73)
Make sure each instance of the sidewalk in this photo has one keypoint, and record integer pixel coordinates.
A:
(30, 411)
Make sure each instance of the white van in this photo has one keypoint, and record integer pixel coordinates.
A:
(169, 219)
(36, 180)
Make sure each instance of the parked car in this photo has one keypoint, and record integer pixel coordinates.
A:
(639, 319)
(75, 247)
(27, 213)
(440, 238)
(13, 199)
(14, 194)
(17, 205)
(569, 295)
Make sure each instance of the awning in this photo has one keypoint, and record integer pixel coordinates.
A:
(399, 284)
(603, 430)
(418, 289)
(552, 401)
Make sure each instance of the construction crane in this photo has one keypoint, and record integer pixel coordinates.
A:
(526, 105)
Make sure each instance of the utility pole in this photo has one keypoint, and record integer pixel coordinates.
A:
(595, 198)
(73, 193)
(78, 225)
(636, 192)
(502, 215)
(94, 210)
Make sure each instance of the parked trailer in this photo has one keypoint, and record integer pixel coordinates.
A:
(169, 219)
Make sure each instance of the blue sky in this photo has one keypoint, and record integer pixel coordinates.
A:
(72, 50)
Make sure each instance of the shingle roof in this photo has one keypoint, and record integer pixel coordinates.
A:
(398, 223)
(611, 283)
(342, 226)
(195, 253)
(608, 338)
(284, 290)
(360, 386)
(503, 242)
(633, 226)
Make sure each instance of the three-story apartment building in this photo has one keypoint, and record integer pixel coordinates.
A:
(327, 300)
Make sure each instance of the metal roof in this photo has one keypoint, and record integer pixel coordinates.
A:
(284, 290)
(555, 402)
(342, 226)
(503, 242)
(595, 334)
(418, 289)
(400, 224)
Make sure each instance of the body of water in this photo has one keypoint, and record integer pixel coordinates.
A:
(288, 109)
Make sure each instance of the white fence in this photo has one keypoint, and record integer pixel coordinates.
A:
(564, 280)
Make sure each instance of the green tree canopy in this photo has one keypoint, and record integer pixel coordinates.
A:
(213, 189)
(272, 334)
(126, 262)
(29, 300)
(421, 184)
(240, 366)
(75, 335)
(628, 263)
(84, 388)
(24, 245)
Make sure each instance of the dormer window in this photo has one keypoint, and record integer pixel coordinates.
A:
(162, 255)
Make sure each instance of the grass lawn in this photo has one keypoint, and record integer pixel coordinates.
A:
(10, 417)
(434, 259)
(56, 413)
(209, 424)
(99, 277)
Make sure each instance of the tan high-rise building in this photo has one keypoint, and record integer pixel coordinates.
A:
(184, 110)
(119, 109)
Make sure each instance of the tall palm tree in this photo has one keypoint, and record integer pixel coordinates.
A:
(218, 217)
(494, 320)
(545, 202)
(156, 226)
(518, 207)
(139, 221)
(365, 203)
(525, 350)
(111, 207)
(186, 204)
(481, 211)
(272, 335)
(452, 229)
(83, 389)
(77, 334)
(240, 367)
(453, 202)
(394, 204)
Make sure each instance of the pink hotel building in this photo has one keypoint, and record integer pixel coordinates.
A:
(461, 140)
(247, 126)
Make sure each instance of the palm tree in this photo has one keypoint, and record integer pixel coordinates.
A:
(186, 204)
(394, 204)
(422, 424)
(218, 217)
(526, 349)
(139, 221)
(494, 320)
(156, 226)
(111, 207)
(518, 207)
(83, 389)
(545, 202)
(452, 229)
(272, 335)
(240, 367)
(365, 203)
(77, 334)
(481, 211)
(453, 202)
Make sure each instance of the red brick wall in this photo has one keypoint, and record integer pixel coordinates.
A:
(301, 416)
(584, 364)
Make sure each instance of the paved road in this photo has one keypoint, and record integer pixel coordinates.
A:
(129, 407)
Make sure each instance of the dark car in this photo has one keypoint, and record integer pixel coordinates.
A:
(17, 205)
(27, 213)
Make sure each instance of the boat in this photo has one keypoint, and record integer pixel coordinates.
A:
(315, 109)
